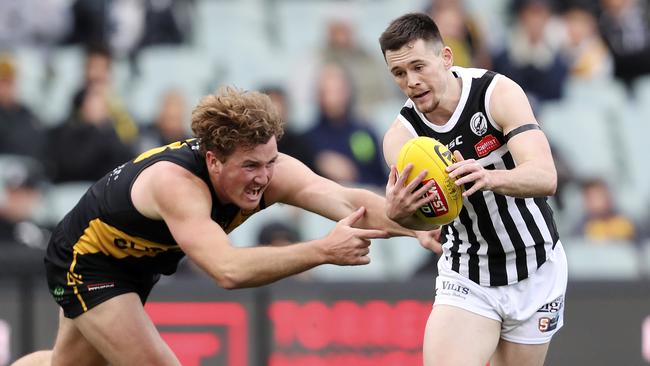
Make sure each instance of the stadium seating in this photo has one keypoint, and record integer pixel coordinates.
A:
(584, 135)
(31, 75)
(163, 68)
(67, 76)
(601, 260)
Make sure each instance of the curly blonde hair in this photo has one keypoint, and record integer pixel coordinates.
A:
(233, 118)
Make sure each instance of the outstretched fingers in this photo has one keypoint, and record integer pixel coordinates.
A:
(367, 234)
(353, 217)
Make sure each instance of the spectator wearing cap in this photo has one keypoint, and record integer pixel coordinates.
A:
(21, 132)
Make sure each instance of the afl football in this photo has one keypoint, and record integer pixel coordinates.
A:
(428, 154)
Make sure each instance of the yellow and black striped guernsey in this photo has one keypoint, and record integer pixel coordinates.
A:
(106, 226)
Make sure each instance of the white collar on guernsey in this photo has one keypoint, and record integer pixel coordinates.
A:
(466, 75)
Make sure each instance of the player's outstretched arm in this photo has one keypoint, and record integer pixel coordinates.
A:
(157, 193)
(297, 185)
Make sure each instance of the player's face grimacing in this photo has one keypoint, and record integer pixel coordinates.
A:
(246, 173)
(419, 70)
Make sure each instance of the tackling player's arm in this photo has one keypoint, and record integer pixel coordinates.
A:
(300, 187)
(403, 200)
(535, 173)
(157, 193)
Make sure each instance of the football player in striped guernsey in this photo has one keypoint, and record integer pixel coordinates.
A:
(502, 274)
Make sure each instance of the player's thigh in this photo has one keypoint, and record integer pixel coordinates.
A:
(123, 333)
(517, 354)
(38, 358)
(71, 348)
(454, 336)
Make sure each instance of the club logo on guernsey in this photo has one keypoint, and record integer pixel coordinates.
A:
(478, 124)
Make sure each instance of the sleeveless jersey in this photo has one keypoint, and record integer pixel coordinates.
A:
(496, 240)
(105, 220)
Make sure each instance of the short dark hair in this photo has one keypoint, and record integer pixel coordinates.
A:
(99, 49)
(407, 28)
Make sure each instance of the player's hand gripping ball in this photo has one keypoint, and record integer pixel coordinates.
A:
(446, 197)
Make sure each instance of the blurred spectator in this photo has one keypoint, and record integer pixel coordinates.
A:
(532, 55)
(167, 22)
(170, 125)
(460, 32)
(588, 55)
(98, 71)
(291, 143)
(116, 23)
(37, 23)
(276, 233)
(22, 180)
(347, 149)
(21, 133)
(86, 147)
(625, 26)
(602, 221)
(367, 72)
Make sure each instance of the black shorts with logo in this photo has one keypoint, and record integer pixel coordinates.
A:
(81, 282)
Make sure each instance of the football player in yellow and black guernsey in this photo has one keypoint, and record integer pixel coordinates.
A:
(183, 199)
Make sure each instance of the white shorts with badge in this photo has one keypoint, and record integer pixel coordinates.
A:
(530, 311)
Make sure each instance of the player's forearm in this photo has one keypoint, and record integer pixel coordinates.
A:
(414, 223)
(257, 266)
(376, 218)
(526, 180)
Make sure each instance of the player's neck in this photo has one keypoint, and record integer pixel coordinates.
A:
(448, 102)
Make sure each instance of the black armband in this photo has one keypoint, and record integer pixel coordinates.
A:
(520, 129)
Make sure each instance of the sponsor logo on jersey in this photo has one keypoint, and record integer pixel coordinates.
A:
(437, 205)
(487, 144)
(455, 142)
(100, 286)
(478, 124)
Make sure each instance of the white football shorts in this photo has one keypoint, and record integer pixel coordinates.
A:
(530, 311)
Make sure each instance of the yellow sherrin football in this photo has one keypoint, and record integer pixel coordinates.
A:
(428, 154)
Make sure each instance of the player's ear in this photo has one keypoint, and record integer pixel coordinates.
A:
(447, 57)
(214, 164)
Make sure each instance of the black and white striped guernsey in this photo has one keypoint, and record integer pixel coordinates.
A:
(496, 240)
